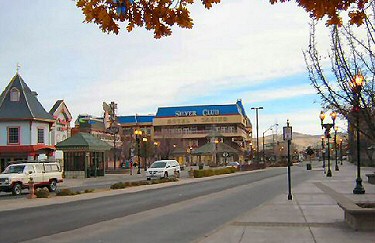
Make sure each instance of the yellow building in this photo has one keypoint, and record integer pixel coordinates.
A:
(180, 131)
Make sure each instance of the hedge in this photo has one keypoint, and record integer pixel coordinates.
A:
(210, 172)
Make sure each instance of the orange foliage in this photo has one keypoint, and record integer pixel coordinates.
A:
(160, 15)
(332, 9)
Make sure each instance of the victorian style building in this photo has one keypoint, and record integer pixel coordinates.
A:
(24, 124)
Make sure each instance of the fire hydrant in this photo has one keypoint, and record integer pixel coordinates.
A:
(31, 189)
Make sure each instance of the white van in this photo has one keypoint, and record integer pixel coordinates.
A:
(17, 176)
(163, 169)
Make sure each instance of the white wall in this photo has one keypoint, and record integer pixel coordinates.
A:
(24, 133)
(27, 136)
(34, 132)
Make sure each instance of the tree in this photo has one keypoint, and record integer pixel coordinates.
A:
(351, 56)
(160, 15)
(310, 152)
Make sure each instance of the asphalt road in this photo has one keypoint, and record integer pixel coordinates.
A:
(179, 213)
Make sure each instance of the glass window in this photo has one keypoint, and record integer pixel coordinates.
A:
(40, 135)
(14, 94)
(39, 168)
(13, 135)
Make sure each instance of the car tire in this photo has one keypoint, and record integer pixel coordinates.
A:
(52, 186)
(148, 178)
(166, 175)
(17, 189)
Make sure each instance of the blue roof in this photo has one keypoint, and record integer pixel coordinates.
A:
(201, 110)
(135, 119)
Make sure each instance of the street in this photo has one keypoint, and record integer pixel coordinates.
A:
(180, 213)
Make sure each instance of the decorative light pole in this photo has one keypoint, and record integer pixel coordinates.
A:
(257, 127)
(270, 128)
(113, 129)
(145, 149)
(156, 144)
(327, 127)
(341, 151)
(356, 85)
(336, 166)
(323, 155)
(138, 133)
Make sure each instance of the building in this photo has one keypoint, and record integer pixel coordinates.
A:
(24, 124)
(129, 124)
(61, 128)
(180, 130)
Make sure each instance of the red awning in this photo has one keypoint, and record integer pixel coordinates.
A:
(26, 148)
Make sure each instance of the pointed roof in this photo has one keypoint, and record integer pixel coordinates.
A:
(60, 106)
(210, 148)
(28, 106)
(83, 141)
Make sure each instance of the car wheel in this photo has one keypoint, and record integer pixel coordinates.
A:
(17, 189)
(166, 175)
(52, 186)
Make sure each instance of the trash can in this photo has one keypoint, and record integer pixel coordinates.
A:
(308, 166)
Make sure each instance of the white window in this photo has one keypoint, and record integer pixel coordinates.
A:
(14, 94)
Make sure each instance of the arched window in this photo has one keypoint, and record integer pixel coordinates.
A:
(14, 94)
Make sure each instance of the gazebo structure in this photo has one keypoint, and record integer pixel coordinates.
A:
(215, 150)
(84, 156)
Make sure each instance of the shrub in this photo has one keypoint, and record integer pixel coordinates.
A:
(210, 172)
(66, 192)
(42, 193)
(89, 190)
(118, 185)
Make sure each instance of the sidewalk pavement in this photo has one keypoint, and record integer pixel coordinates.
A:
(312, 215)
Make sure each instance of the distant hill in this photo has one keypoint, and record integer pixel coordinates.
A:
(302, 141)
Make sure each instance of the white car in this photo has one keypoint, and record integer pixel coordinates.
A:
(17, 176)
(163, 169)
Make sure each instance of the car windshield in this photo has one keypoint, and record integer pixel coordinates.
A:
(14, 169)
(158, 165)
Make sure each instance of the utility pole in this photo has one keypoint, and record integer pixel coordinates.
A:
(257, 127)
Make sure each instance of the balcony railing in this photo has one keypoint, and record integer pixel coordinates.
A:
(197, 132)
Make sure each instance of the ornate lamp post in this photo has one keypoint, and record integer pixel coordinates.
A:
(257, 127)
(138, 133)
(327, 127)
(145, 149)
(323, 155)
(341, 151)
(356, 85)
(335, 143)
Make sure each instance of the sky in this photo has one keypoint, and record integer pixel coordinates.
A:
(239, 49)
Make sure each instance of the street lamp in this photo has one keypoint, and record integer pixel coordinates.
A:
(138, 133)
(336, 166)
(145, 149)
(270, 128)
(156, 144)
(323, 155)
(327, 127)
(356, 85)
(341, 151)
(257, 127)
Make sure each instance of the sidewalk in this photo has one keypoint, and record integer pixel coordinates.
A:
(312, 215)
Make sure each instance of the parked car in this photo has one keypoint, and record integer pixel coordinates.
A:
(234, 165)
(163, 169)
(17, 176)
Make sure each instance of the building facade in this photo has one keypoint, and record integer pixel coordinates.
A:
(24, 124)
(186, 128)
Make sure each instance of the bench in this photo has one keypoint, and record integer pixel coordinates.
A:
(358, 218)
(371, 178)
